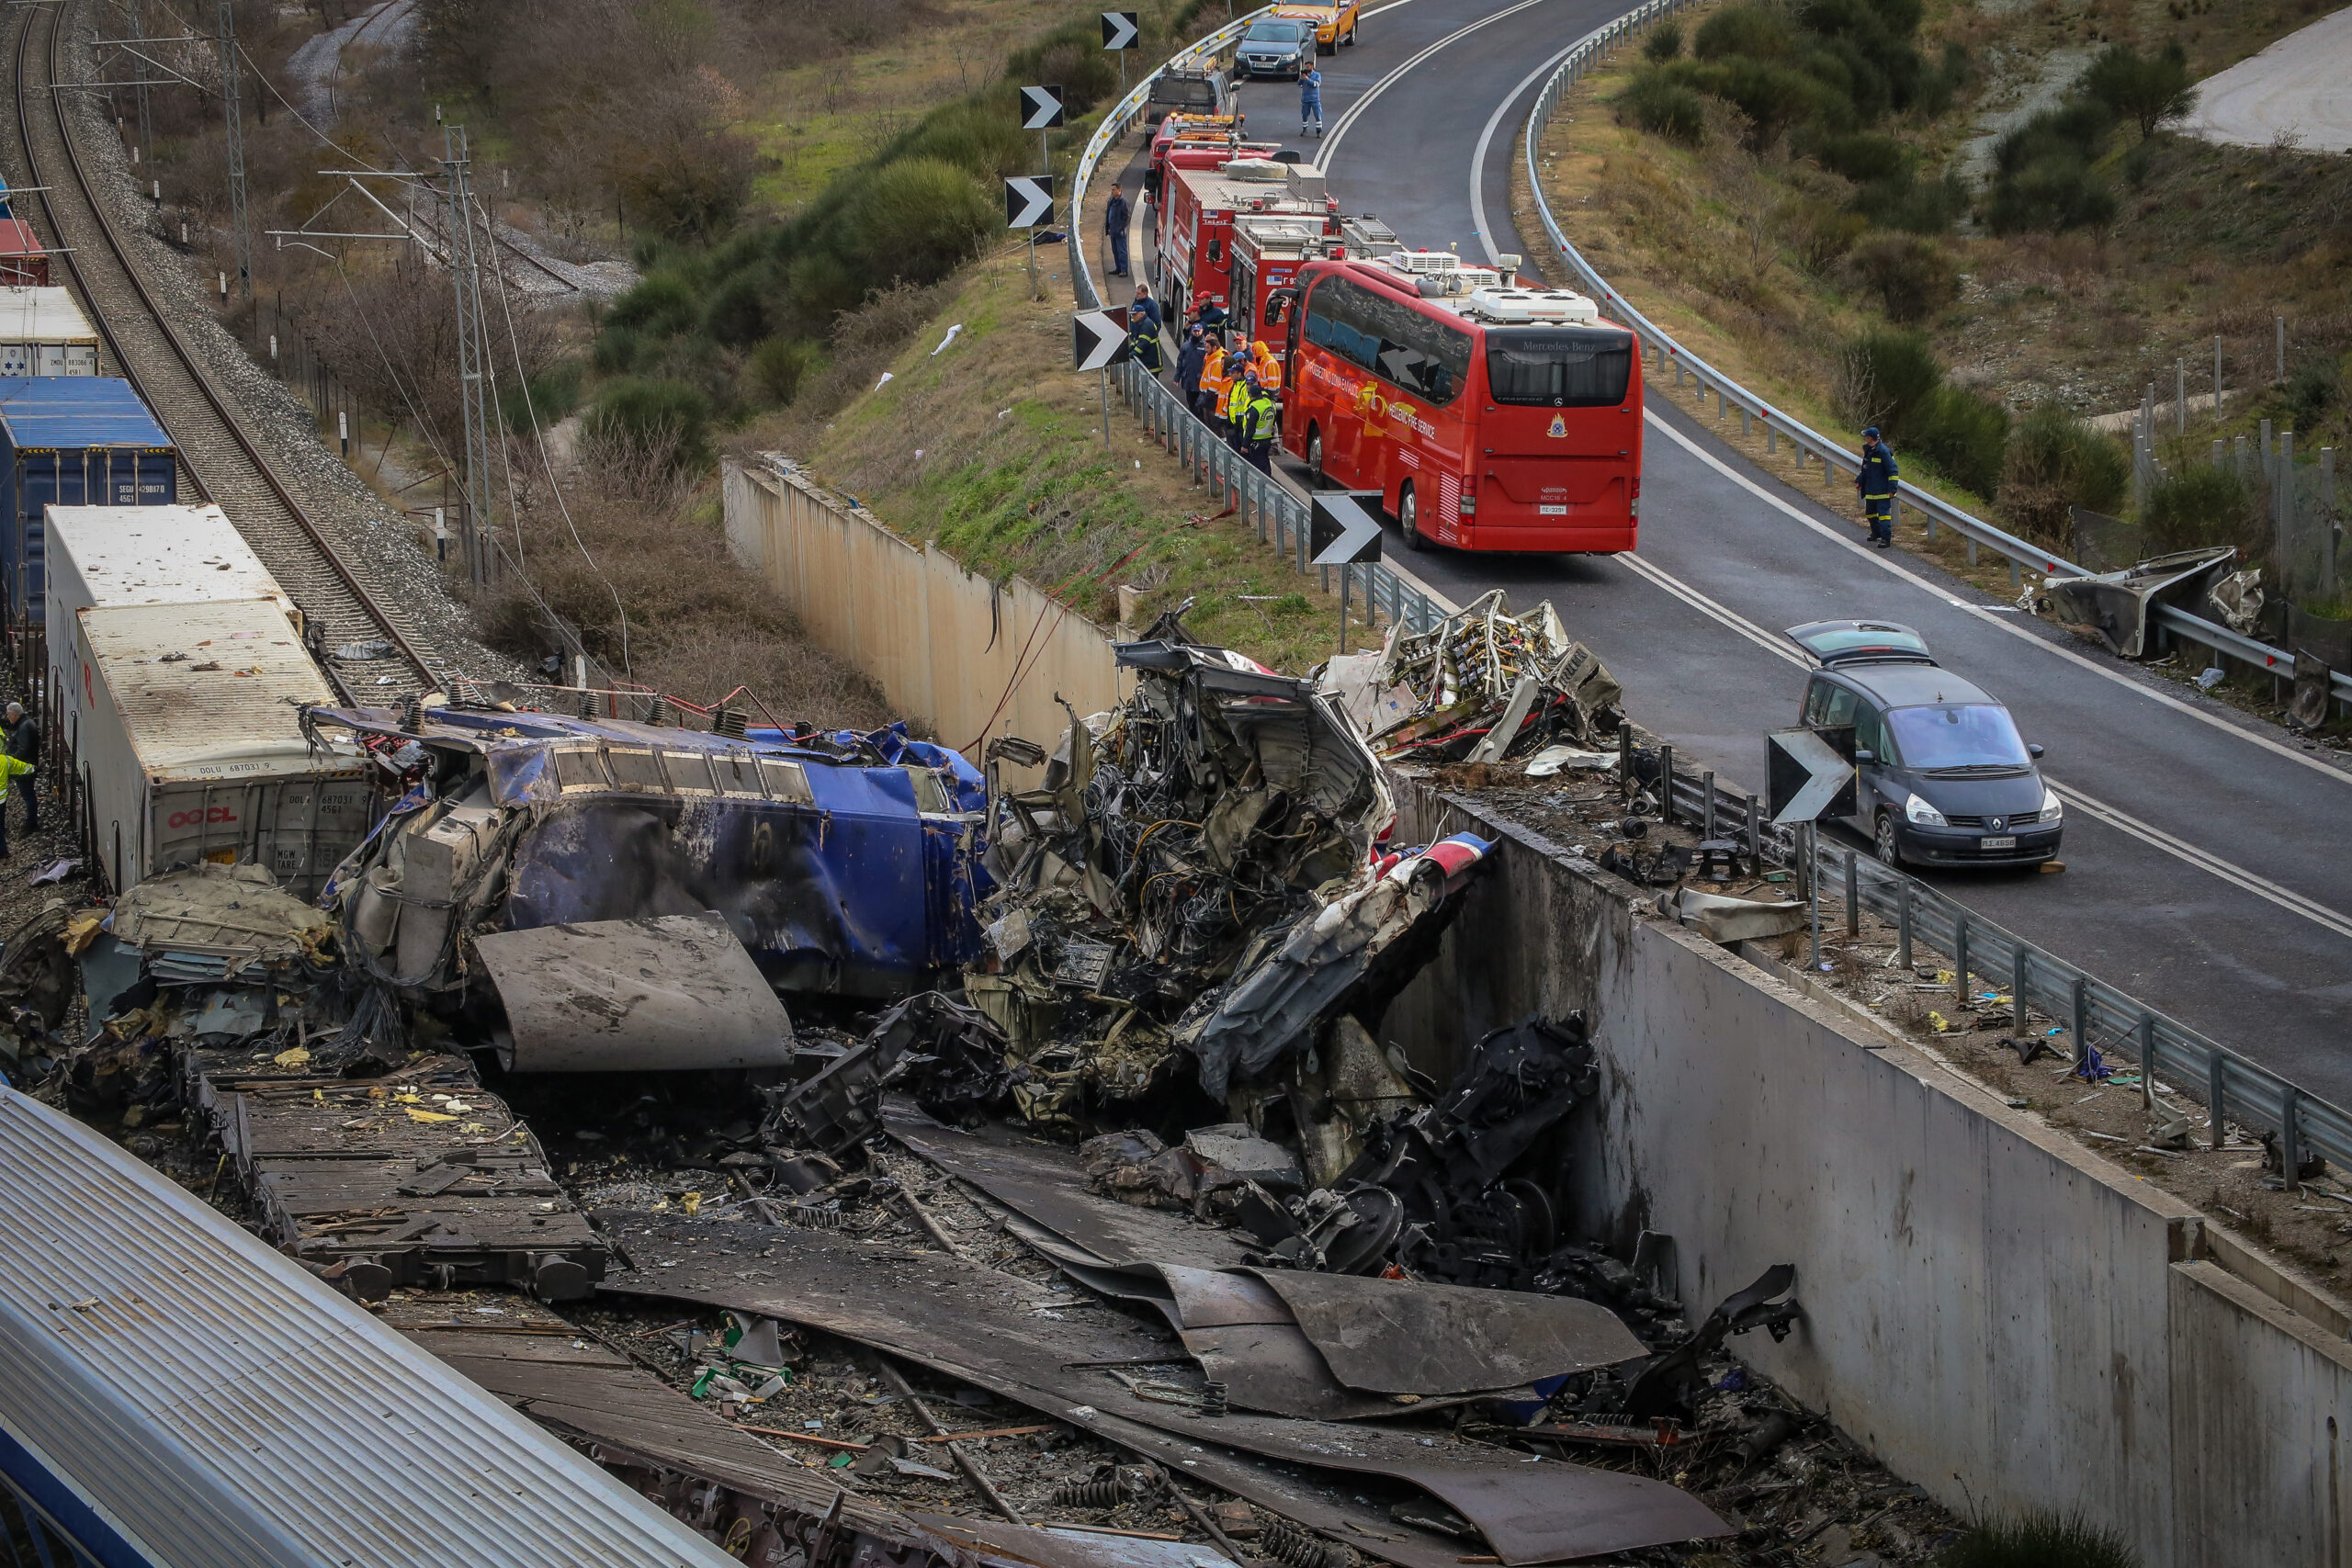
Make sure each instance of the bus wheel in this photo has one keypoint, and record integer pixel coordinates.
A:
(1408, 518)
(1316, 476)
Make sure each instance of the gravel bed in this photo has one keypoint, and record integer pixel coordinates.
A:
(378, 543)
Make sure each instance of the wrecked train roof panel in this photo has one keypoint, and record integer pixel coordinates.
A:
(206, 691)
(154, 555)
(204, 1402)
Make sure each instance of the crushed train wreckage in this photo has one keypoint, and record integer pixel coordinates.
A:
(1138, 1006)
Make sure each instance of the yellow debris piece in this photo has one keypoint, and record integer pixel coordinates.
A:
(292, 1059)
(690, 1202)
(416, 1115)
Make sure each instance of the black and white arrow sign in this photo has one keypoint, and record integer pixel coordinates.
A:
(1041, 108)
(1808, 777)
(1118, 29)
(1028, 200)
(1342, 530)
(1098, 340)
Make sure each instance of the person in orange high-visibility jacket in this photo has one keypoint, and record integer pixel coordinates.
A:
(1214, 379)
(1268, 369)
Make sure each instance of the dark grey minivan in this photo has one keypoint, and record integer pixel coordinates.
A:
(1945, 778)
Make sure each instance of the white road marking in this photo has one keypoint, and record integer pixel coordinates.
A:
(2122, 821)
(1486, 140)
(1330, 147)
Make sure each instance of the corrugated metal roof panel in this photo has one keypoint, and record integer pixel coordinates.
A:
(155, 555)
(224, 702)
(75, 411)
(221, 1409)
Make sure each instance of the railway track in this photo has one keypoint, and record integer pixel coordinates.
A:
(217, 454)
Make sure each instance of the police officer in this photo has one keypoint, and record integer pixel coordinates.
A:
(1875, 485)
(1237, 406)
(1264, 424)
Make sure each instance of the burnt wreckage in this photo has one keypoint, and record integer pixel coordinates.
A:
(1137, 1007)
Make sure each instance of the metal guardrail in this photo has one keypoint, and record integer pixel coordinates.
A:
(1280, 515)
(1852, 881)
(1780, 426)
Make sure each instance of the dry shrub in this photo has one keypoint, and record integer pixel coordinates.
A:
(698, 623)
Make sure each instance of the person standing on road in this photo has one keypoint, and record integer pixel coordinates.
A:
(1190, 360)
(1115, 213)
(1310, 100)
(1264, 421)
(24, 745)
(1875, 484)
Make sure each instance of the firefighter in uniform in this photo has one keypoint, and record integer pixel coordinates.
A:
(1270, 369)
(1875, 484)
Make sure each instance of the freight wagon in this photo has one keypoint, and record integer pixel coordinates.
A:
(191, 746)
(111, 557)
(44, 332)
(68, 441)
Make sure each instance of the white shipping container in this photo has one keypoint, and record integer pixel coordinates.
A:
(44, 332)
(192, 750)
(112, 555)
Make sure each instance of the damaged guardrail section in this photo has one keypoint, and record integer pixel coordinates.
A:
(1779, 425)
(1990, 1301)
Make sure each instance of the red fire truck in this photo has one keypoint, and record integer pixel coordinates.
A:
(1488, 415)
(1220, 134)
(23, 262)
(1193, 260)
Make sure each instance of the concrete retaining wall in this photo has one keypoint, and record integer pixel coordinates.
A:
(1985, 1300)
(963, 657)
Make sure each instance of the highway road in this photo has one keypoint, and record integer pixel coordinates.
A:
(2209, 871)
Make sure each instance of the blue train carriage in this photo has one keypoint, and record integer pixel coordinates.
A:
(69, 441)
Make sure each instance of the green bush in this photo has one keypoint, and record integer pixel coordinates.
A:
(1912, 276)
(919, 220)
(737, 312)
(2314, 388)
(1756, 32)
(1965, 434)
(618, 349)
(1864, 156)
(658, 419)
(1887, 377)
(1914, 206)
(2038, 1540)
(1071, 57)
(1820, 235)
(1663, 106)
(553, 395)
(662, 303)
(984, 139)
(2199, 505)
(2054, 461)
(2147, 89)
(1663, 43)
(778, 367)
(2053, 194)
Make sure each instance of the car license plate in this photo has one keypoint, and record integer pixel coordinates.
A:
(1550, 512)
(2005, 843)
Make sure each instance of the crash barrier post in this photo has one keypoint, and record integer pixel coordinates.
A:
(1282, 519)
(2020, 554)
(2094, 1012)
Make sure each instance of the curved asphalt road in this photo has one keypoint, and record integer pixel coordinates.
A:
(2209, 871)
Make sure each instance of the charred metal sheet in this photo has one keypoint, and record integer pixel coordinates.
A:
(1661, 1387)
(978, 1325)
(1411, 1337)
(661, 994)
(1042, 1546)
(2116, 605)
(1045, 1182)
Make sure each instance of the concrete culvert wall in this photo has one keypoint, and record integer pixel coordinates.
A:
(1998, 1314)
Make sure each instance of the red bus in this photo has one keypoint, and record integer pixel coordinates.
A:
(1487, 415)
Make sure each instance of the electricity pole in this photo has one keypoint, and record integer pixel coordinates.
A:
(472, 359)
(229, 73)
(145, 156)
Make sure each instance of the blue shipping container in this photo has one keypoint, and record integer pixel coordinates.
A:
(70, 441)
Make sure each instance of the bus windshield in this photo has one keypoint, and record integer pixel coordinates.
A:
(1558, 368)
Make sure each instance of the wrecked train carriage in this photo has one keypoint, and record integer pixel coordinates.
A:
(841, 863)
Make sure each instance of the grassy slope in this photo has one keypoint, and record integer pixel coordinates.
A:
(994, 448)
(2212, 240)
(820, 118)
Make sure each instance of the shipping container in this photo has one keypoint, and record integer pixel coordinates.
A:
(109, 556)
(24, 263)
(69, 441)
(44, 332)
(192, 748)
